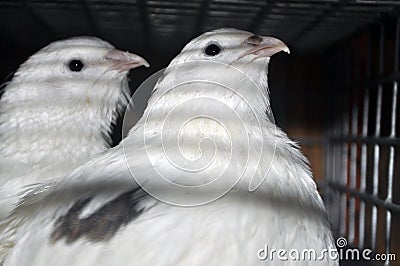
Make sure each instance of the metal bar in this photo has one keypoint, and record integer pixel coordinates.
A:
(147, 27)
(367, 197)
(329, 177)
(232, 8)
(389, 196)
(381, 47)
(337, 173)
(353, 2)
(201, 17)
(344, 161)
(380, 2)
(397, 43)
(382, 79)
(363, 171)
(363, 167)
(391, 149)
(239, 2)
(345, 131)
(375, 182)
(327, 170)
(365, 139)
(333, 7)
(261, 15)
(353, 156)
(175, 4)
(353, 172)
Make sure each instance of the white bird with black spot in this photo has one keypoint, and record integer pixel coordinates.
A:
(208, 130)
(59, 109)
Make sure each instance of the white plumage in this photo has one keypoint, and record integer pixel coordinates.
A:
(208, 128)
(54, 118)
(58, 110)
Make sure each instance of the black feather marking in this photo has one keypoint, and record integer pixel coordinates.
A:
(101, 225)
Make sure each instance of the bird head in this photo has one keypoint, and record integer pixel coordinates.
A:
(242, 50)
(78, 82)
(227, 56)
(232, 47)
(78, 66)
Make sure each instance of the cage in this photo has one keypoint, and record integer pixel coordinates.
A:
(337, 93)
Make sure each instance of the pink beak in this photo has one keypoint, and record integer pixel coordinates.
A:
(123, 61)
(265, 46)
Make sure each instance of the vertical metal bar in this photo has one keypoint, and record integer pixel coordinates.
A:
(344, 153)
(391, 171)
(353, 172)
(344, 165)
(147, 23)
(392, 151)
(337, 175)
(397, 43)
(375, 182)
(328, 174)
(353, 157)
(353, 154)
(261, 16)
(333, 175)
(363, 170)
(201, 17)
(327, 179)
(331, 158)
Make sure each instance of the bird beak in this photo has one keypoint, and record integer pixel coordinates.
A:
(265, 46)
(123, 61)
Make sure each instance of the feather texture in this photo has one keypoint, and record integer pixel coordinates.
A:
(53, 117)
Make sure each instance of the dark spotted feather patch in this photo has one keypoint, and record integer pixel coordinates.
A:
(102, 224)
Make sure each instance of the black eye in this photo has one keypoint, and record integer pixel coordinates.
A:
(212, 49)
(75, 65)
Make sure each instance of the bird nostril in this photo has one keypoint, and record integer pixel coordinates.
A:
(254, 40)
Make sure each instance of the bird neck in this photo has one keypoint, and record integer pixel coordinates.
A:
(51, 137)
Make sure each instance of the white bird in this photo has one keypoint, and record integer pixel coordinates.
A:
(59, 109)
(203, 178)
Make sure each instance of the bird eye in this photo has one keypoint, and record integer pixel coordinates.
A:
(75, 65)
(212, 49)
